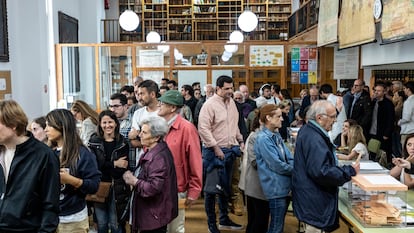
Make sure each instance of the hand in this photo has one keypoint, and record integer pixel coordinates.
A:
(402, 163)
(121, 162)
(385, 138)
(129, 178)
(410, 158)
(218, 152)
(133, 134)
(357, 167)
(189, 202)
(242, 146)
(64, 176)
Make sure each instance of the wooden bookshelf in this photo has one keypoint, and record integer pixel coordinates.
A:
(180, 23)
(189, 20)
(227, 12)
(259, 7)
(277, 14)
(155, 17)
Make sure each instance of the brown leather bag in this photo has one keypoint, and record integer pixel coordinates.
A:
(101, 194)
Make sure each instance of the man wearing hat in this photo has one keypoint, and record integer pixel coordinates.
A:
(184, 143)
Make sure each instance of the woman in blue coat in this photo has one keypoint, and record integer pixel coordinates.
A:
(274, 165)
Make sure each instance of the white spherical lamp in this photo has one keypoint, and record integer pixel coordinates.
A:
(247, 21)
(153, 37)
(129, 20)
(236, 37)
(232, 48)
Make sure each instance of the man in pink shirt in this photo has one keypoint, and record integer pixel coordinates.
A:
(184, 143)
(222, 141)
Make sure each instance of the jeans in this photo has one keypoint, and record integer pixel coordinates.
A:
(106, 216)
(278, 208)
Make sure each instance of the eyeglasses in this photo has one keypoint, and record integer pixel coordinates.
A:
(355, 85)
(115, 106)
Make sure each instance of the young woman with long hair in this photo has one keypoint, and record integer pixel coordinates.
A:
(356, 141)
(79, 174)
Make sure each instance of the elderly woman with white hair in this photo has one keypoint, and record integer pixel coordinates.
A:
(154, 200)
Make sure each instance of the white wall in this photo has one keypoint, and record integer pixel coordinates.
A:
(32, 53)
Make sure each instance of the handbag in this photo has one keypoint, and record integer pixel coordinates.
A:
(102, 193)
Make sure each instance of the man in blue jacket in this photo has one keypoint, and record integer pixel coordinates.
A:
(316, 175)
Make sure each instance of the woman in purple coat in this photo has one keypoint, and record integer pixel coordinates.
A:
(154, 182)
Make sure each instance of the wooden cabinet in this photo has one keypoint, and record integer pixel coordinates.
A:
(186, 20)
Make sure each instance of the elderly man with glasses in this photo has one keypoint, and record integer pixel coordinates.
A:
(361, 106)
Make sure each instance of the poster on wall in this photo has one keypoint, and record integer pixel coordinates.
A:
(304, 65)
(397, 21)
(328, 22)
(356, 24)
(346, 63)
(151, 58)
(261, 55)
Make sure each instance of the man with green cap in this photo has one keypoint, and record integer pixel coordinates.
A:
(184, 143)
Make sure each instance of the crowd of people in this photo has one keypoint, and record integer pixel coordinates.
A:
(160, 148)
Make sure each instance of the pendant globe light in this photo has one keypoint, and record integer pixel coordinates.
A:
(248, 21)
(153, 37)
(236, 37)
(129, 20)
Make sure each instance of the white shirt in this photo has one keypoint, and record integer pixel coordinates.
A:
(340, 119)
(8, 158)
(140, 115)
(407, 118)
(361, 149)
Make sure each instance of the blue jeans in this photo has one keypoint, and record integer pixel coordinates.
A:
(278, 208)
(106, 216)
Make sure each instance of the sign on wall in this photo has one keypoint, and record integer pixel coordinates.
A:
(304, 65)
(261, 55)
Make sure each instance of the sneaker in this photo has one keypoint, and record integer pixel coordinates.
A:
(213, 228)
(230, 225)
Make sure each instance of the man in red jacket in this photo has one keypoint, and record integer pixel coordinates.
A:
(184, 143)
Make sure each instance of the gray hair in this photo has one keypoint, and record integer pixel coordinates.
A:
(158, 126)
(239, 93)
(318, 108)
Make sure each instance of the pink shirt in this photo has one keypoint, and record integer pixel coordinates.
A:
(218, 123)
(183, 141)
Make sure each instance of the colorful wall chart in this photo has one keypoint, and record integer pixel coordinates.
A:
(304, 65)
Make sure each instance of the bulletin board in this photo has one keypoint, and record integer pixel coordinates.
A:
(5, 85)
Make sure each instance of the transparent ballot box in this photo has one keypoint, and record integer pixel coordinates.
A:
(378, 200)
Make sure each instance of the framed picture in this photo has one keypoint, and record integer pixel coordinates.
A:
(4, 41)
(68, 28)
(68, 33)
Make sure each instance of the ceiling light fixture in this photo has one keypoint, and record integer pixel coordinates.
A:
(129, 20)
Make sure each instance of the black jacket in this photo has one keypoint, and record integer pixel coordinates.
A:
(109, 172)
(385, 117)
(362, 111)
(30, 200)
